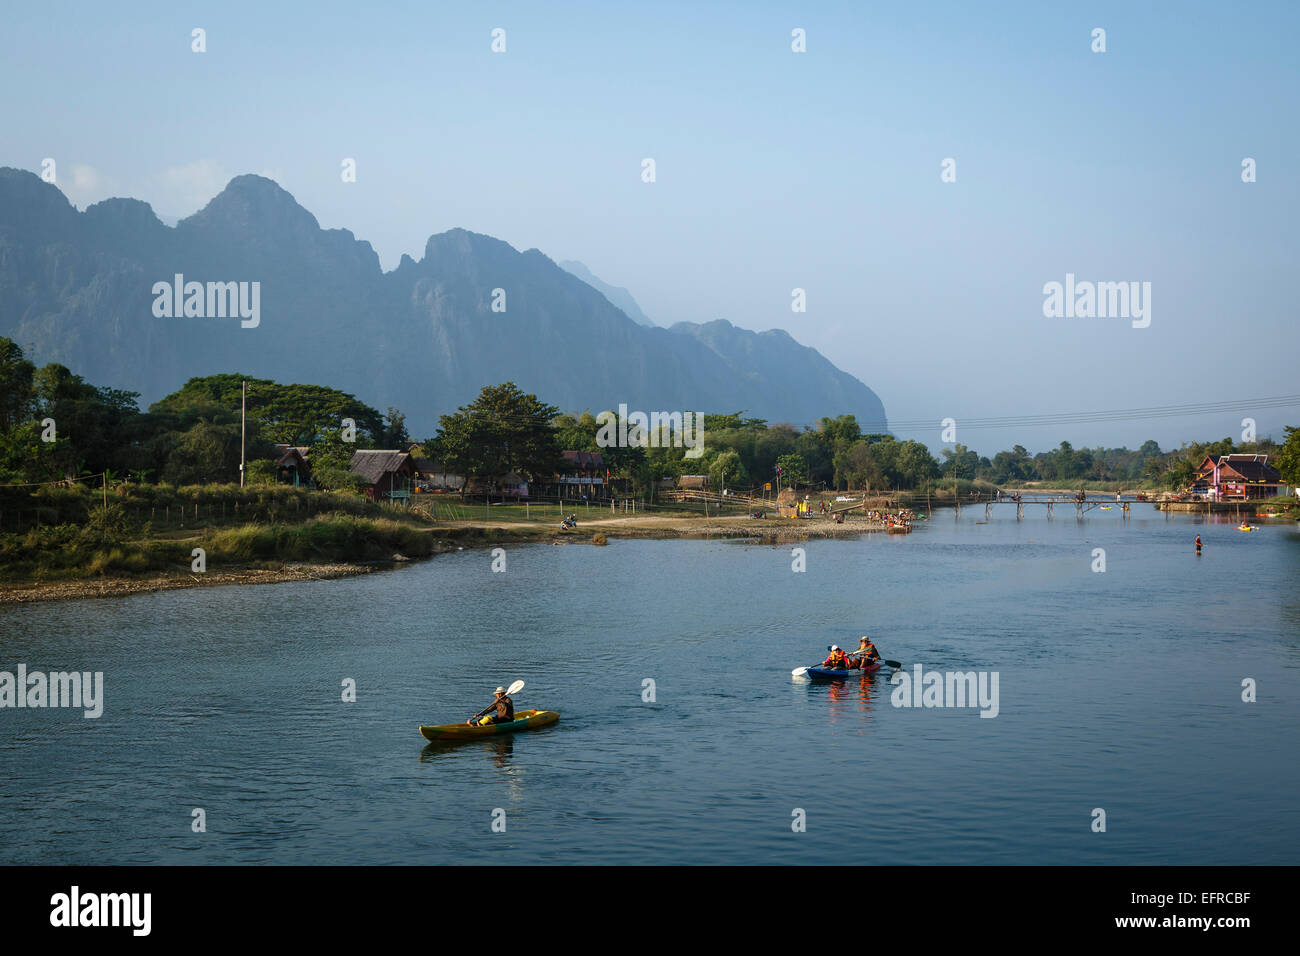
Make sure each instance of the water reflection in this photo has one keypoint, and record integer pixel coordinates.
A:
(499, 746)
(858, 694)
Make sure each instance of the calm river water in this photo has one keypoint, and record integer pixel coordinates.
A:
(1119, 690)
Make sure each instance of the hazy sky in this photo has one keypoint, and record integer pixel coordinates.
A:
(775, 170)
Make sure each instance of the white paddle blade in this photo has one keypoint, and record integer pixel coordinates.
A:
(799, 672)
(514, 688)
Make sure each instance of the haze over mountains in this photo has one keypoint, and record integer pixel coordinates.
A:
(77, 288)
(617, 295)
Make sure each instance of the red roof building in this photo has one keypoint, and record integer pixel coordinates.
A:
(1240, 477)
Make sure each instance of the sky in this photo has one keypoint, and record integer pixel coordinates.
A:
(774, 171)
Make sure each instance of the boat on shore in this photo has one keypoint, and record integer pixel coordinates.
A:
(524, 720)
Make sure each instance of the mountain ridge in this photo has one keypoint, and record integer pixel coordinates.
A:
(76, 288)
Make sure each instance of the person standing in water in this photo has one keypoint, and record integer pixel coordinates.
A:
(1198, 544)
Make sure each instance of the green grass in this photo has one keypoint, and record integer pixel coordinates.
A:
(67, 533)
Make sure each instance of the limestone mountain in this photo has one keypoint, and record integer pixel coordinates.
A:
(79, 288)
(616, 294)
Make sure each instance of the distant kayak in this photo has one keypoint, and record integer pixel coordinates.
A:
(524, 720)
(842, 673)
(1245, 527)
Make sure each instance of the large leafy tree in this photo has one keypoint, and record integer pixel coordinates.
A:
(727, 471)
(17, 375)
(502, 430)
(96, 428)
(288, 414)
(914, 466)
(1287, 459)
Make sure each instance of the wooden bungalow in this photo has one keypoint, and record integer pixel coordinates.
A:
(1236, 477)
(693, 482)
(291, 466)
(387, 474)
(581, 473)
(433, 476)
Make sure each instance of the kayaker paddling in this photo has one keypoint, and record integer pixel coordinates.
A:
(837, 659)
(865, 654)
(504, 707)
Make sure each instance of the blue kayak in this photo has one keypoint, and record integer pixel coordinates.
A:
(842, 673)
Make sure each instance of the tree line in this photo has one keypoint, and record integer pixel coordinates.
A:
(55, 425)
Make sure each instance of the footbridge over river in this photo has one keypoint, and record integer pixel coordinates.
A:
(1082, 503)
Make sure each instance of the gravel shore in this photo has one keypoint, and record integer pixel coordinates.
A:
(468, 534)
(123, 586)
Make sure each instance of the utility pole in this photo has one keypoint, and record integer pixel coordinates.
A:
(243, 406)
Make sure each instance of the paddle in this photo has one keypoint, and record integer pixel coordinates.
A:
(513, 689)
(894, 664)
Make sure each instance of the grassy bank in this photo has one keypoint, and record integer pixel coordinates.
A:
(64, 552)
(69, 533)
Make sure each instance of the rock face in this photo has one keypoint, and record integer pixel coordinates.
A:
(79, 289)
(617, 295)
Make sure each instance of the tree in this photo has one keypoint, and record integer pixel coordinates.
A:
(959, 462)
(793, 470)
(394, 434)
(1288, 456)
(726, 471)
(207, 453)
(94, 426)
(914, 466)
(16, 385)
(502, 430)
(286, 414)
(858, 467)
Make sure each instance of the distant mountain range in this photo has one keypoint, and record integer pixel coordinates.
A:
(616, 294)
(86, 289)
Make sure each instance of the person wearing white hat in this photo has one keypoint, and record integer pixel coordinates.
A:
(866, 653)
(504, 707)
(837, 660)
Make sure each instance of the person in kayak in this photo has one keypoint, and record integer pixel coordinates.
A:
(504, 707)
(866, 653)
(837, 659)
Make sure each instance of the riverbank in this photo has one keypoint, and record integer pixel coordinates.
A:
(122, 586)
(419, 544)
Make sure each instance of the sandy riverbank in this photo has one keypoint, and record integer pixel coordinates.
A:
(452, 536)
(76, 590)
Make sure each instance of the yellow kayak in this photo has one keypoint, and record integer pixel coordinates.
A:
(524, 720)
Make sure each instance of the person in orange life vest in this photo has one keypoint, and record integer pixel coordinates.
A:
(837, 659)
(1198, 544)
(866, 653)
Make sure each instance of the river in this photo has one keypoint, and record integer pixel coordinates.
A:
(1118, 690)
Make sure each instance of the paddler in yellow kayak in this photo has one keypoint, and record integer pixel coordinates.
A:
(504, 707)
